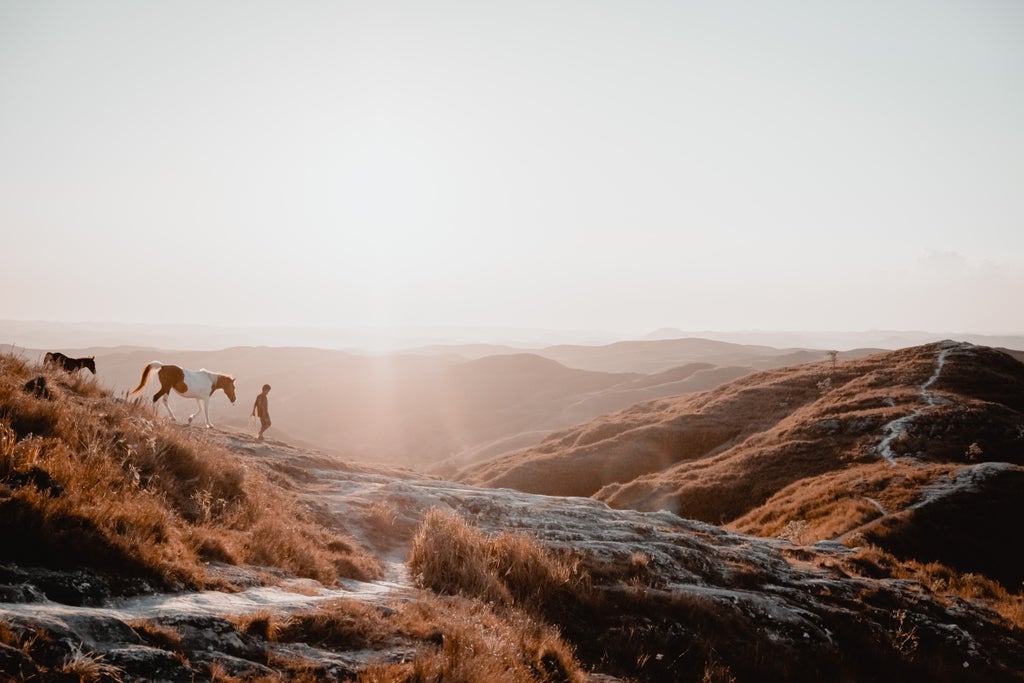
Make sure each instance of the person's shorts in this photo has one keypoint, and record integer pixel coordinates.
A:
(264, 422)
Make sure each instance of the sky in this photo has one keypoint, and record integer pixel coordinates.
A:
(566, 165)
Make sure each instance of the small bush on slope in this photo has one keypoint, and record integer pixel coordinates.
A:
(87, 481)
(475, 644)
(339, 624)
(456, 639)
(944, 582)
(450, 556)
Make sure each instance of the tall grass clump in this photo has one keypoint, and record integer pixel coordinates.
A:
(945, 583)
(87, 481)
(466, 641)
(338, 624)
(453, 638)
(510, 585)
(450, 556)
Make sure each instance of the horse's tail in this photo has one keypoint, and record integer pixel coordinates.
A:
(145, 376)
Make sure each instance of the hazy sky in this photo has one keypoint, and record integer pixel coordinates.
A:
(601, 165)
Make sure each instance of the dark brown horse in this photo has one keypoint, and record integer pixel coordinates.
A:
(68, 364)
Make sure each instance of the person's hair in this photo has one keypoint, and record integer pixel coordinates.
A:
(266, 387)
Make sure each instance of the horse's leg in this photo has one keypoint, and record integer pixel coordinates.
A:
(199, 407)
(206, 411)
(167, 404)
(162, 394)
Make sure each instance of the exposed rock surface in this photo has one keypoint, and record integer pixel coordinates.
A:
(786, 599)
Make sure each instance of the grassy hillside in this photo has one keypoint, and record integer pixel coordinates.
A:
(90, 482)
(818, 453)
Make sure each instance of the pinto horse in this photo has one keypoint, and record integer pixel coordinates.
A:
(69, 364)
(197, 384)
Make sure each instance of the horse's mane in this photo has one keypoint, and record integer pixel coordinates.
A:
(216, 374)
(221, 379)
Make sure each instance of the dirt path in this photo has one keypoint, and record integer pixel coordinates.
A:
(899, 427)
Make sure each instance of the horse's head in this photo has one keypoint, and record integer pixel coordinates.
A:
(228, 385)
(90, 363)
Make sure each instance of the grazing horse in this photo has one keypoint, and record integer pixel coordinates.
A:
(69, 364)
(197, 384)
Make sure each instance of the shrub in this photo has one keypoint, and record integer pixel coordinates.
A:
(467, 642)
(450, 556)
(339, 624)
(88, 667)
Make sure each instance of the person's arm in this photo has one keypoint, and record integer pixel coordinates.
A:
(253, 413)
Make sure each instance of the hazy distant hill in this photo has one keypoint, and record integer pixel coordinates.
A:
(842, 340)
(646, 356)
(659, 355)
(877, 447)
(445, 407)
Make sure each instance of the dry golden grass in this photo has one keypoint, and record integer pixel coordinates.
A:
(44, 657)
(88, 667)
(619, 619)
(944, 581)
(833, 503)
(465, 641)
(18, 639)
(339, 624)
(717, 673)
(793, 453)
(510, 571)
(456, 639)
(89, 481)
(450, 556)
(724, 454)
(652, 437)
(157, 635)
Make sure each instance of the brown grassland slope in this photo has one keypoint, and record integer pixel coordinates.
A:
(440, 581)
(754, 617)
(920, 455)
(88, 482)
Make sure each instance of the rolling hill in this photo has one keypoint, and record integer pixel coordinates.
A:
(896, 447)
(444, 408)
(649, 356)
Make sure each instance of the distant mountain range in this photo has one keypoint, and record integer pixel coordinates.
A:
(467, 341)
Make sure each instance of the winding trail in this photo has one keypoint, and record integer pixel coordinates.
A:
(898, 427)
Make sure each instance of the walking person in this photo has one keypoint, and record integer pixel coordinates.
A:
(261, 408)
